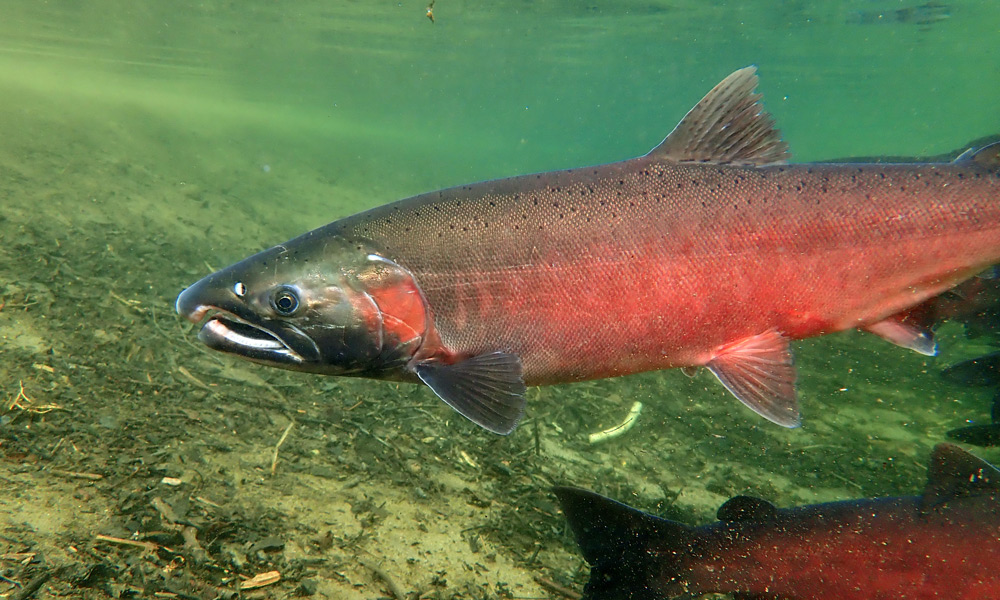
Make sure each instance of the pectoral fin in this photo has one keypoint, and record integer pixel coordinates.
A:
(487, 389)
(760, 372)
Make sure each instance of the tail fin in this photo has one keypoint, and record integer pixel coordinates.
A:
(632, 555)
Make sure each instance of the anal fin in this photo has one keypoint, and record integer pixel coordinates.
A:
(760, 372)
(487, 389)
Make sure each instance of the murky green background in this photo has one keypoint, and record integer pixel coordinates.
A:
(144, 143)
(374, 92)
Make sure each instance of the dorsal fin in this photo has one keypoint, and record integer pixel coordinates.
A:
(953, 473)
(728, 126)
(746, 508)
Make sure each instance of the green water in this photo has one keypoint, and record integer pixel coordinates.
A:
(143, 143)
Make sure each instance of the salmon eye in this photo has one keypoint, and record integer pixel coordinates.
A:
(285, 301)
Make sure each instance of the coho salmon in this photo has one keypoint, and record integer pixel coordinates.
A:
(710, 251)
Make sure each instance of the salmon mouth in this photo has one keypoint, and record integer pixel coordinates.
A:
(227, 332)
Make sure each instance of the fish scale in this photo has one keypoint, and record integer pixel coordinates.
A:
(657, 250)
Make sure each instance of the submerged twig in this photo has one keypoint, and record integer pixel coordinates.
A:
(386, 579)
(23, 402)
(552, 586)
(193, 379)
(259, 580)
(147, 546)
(78, 475)
(284, 436)
(617, 430)
(32, 586)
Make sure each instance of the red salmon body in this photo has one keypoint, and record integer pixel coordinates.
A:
(708, 251)
(582, 284)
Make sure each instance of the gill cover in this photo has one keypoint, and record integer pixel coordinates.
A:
(326, 305)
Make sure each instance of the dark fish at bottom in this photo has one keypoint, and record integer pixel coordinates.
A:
(944, 544)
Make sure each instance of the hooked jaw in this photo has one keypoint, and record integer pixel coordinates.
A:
(226, 333)
(232, 329)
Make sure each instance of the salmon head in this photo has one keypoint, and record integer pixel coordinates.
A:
(319, 305)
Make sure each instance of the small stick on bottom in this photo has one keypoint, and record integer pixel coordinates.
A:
(389, 583)
(274, 459)
(617, 430)
(32, 586)
(554, 587)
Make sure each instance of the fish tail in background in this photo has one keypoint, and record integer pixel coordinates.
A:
(983, 371)
(616, 541)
